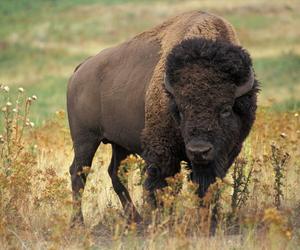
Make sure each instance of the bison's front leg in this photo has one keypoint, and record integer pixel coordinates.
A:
(119, 154)
(162, 151)
(156, 179)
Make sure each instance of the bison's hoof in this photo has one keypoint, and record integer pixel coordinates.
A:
(77, 221)
(137, 218)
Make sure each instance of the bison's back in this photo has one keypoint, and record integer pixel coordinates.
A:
(119, 91)
(107, 92)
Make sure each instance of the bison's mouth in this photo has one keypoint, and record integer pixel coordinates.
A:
(201, 163)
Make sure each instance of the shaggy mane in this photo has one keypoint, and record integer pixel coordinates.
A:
(230, 61)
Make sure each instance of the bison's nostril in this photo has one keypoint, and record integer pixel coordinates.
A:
(201, 150)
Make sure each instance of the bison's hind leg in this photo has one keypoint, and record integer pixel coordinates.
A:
(119, 154)
(85, 146)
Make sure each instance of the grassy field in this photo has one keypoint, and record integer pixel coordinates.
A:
(41, 42)
(52, 37)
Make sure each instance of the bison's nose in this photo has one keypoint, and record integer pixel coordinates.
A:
(200, 151)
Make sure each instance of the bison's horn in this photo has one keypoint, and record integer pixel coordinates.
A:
(246, 87)
(167, 85)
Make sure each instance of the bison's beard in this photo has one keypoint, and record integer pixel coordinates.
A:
(220, 167)
(203, 180)
(206, 175)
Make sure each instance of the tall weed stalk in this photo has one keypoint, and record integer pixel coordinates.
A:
(16, 159)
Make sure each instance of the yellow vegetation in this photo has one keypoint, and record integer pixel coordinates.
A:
(35, 205)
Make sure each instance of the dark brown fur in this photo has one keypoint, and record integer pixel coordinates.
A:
(204, 75)
(119, 97)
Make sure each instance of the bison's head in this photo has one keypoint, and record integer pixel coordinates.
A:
(212, 93)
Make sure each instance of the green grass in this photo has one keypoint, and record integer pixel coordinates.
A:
(51, 97)
(251, 21)
(22, 60)
(17, 7)
(279, 78)
(292, 105)
(22, 15)
(282, 71)
(42, 41)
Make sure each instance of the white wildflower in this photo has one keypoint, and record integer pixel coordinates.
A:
(6, 88)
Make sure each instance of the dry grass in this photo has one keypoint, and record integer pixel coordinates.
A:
(258, 208)
(258, 202)
(51, 39)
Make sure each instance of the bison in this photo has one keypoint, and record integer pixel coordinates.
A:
(182, 91)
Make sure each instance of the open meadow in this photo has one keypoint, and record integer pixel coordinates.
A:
(41, 42)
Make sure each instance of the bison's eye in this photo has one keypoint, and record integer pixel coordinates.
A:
(226, 111)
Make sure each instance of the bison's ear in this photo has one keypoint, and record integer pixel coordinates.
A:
(168, 87)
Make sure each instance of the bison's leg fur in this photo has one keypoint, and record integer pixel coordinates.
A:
(153, 182)
(156, 179)
(84, 151)
(119, 154)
